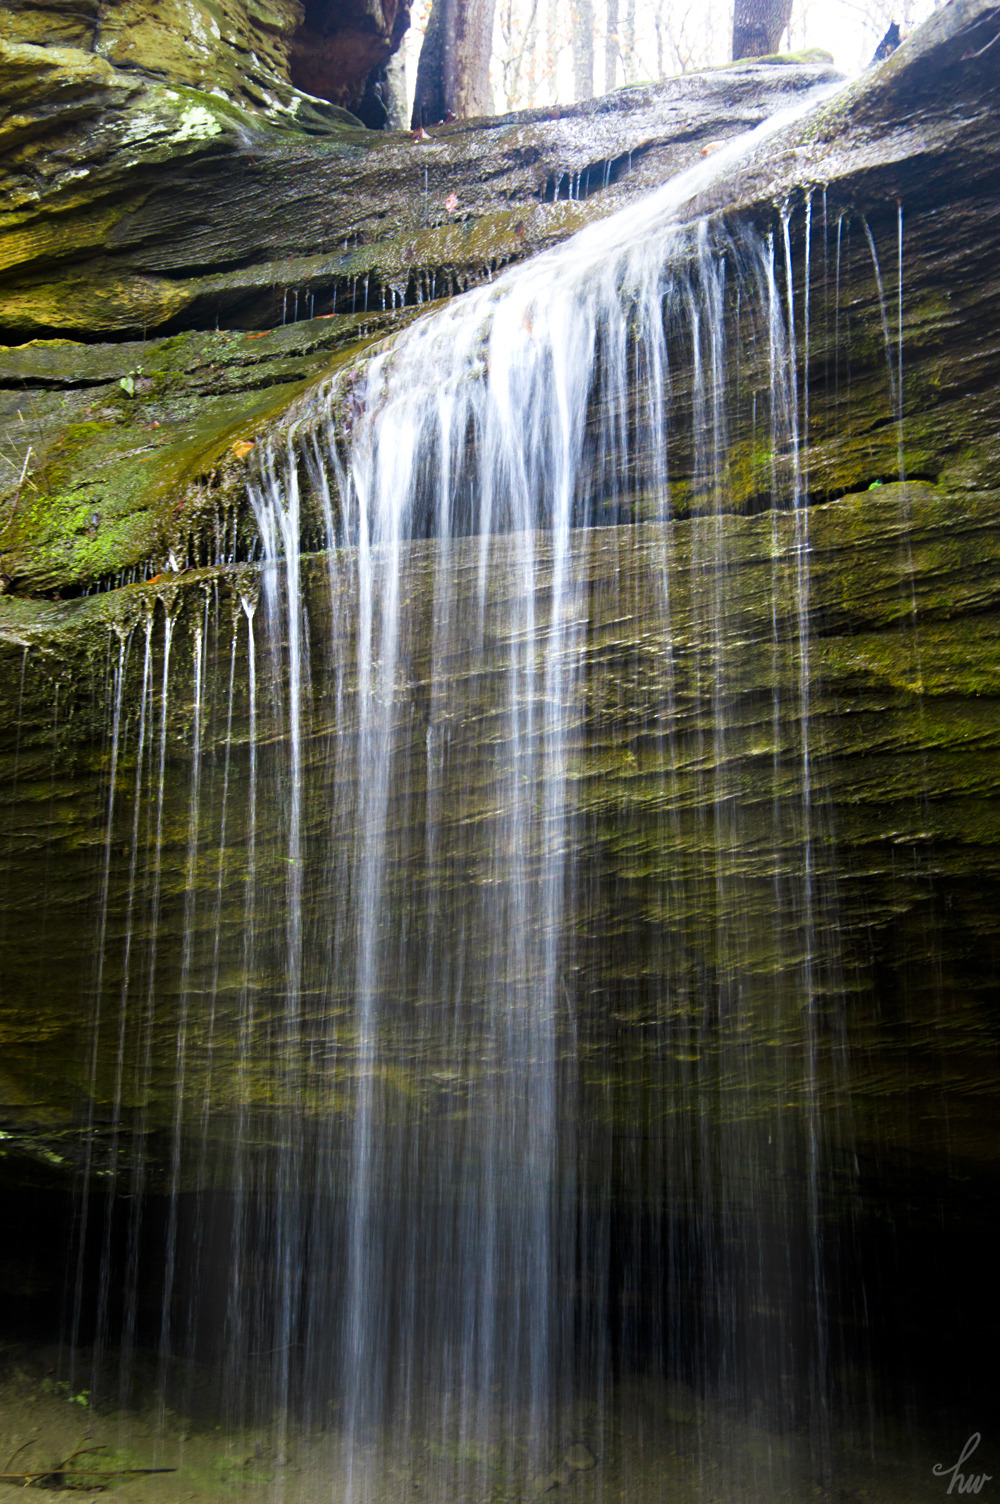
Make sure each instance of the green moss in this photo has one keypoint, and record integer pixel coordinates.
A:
(806, 55)
(143, 462)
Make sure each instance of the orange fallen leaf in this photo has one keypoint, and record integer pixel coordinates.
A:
(260, 335)
(242, 448)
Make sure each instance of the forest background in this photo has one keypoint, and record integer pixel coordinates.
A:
(557, 51)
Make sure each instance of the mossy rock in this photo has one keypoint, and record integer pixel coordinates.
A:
(150, 439)
(686, 828)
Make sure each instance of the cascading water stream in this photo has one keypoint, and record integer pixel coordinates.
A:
(508, 419)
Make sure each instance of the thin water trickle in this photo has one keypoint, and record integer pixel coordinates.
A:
(168, 1336)
(894, 389)
(88, 1186)
(129, 1027)
(900, 398)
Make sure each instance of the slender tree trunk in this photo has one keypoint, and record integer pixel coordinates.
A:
(628, 44)
(612, 48)
(658, 24)
(583, 49)
(519, 62)
(531, 54)
(552, 45)
(453, 73)
(758, 26)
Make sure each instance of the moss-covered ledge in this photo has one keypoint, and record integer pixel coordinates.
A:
(118, 460)
(121, 461)
(136, 202)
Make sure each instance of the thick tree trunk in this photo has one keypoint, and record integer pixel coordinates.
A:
(583, 49)
(453, 73)
(395, 72)
(758, 26)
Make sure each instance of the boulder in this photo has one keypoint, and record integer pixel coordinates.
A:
(256, 53)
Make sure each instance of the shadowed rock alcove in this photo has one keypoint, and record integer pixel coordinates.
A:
(340, 43)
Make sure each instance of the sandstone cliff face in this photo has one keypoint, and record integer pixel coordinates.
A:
(249, 51)
(225, 255)
(178, 268)
(214, 260)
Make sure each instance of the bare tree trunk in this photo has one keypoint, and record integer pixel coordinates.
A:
(453, 73)
(612, 48)
(628, 44)
(758, 26)
(531, 53)
(583, 49)
(658, 27)
(518, 60)
(553, 45)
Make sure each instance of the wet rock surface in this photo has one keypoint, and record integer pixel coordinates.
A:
(130, 460)
(905, 593)
(193, 210)
(153, 439)
(137, 205)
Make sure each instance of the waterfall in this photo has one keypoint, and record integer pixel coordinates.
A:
(469, 476)
(473, 1098)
